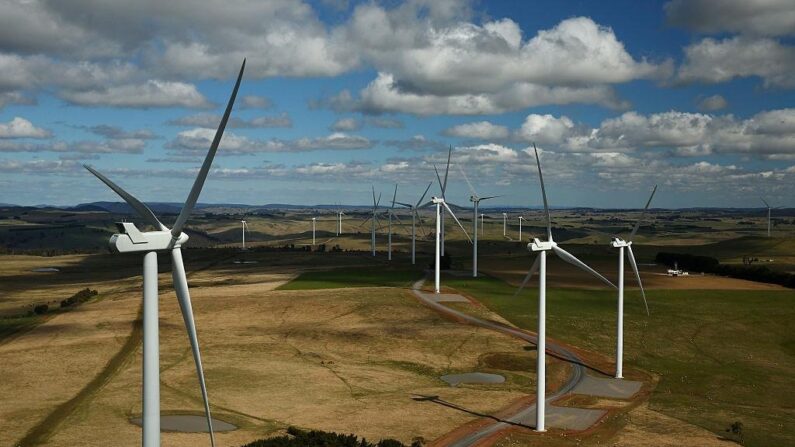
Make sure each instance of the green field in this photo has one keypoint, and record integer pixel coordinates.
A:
(722, 356)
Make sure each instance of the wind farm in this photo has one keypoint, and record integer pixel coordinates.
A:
(223, 171)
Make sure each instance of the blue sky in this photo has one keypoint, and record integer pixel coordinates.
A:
(337, 96)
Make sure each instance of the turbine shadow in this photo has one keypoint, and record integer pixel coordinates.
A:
(437, 400)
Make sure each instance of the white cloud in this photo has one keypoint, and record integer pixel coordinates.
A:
(118, 146)
(712, 103)
(760, 17)
(346, 125)
(152, 93)
(543, 129)
(199, 139)
(255, 102)
(22, 128)
(211, 121)
(713, 61)
(482, 130)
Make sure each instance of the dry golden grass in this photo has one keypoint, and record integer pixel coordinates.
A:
(343, 360)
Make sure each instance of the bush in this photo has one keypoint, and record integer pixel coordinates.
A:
(299, 438)
(80, 297)
(41, 309)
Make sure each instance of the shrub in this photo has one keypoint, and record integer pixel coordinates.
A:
(41, 309)
(300, 438)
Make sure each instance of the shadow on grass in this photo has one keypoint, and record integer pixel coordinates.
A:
(437, 400)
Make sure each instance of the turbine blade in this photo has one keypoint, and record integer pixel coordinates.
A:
(447, 170)
(183, 296)
(422, 222)
(530, 273)
(568, 257)
(394, 196)
(489, 197)
(544, 194)
(640, 219)
(364, 222)
(637, 276)
(374, 205)
(464, 174)
(456, 221)
(423, 194)
(136, 204)
(208, 161)
(765, 202)
(407, 205)
(439, 179)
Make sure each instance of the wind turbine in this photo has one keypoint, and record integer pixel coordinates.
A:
(540, 265)
(768, 215)
(340, 213)
(443, 188)
(374, 218)
(504, 224)
(475, 199)
(439, 202)
(621, 244)
(389, 237)
(132, 240)
(414, 215)
(313, 230)
(520, 228)
(244, 233)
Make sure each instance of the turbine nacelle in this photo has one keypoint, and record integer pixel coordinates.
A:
(617, 242)
(538, 245)
(131, 240)
(437, 200)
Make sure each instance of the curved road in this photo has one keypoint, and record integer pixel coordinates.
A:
(578, 371)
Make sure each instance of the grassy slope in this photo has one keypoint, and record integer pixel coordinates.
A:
(358, 277)
(722, 355)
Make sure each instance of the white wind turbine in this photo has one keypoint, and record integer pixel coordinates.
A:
(540, 265)
(373, 219)
(482, 227)
(621, 244)
(439, 202)
(521, 218)
(243, 222)
(768, 215)
(389, 225)
(443, 188)
(475, 199)
(313, 230)
(504, 224)
(132, 240)
(414, 216)
(340, 213)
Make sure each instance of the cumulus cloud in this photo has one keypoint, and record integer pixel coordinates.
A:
(117, 133)
(768, 134)
(386, 123)
(760, 17)
(416, 143)
(712, 103)
(211, 121)
(255, 102)
(22, 128)
(122, 146)
(481, 130)
(152, 93)
(39, 166)
(199, 139)
(713, 60)
(346, 125)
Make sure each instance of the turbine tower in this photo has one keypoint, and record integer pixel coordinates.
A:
(768, 215)
(540, 265)
(475, 199)
(482, 227)
(520, 228)
(391, 213)
(313, 230)
(439, 202)
(414, 216)
(621, 244)
(504, 224)
(131, 240)
(244, 233)
(373, 220)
